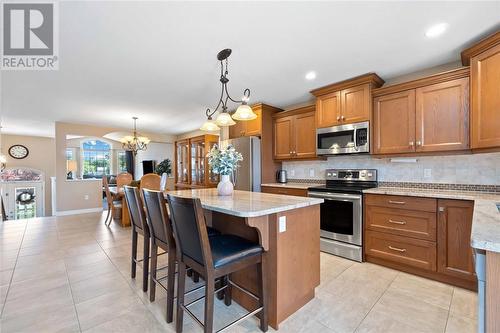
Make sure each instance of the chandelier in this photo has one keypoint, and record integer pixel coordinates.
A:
(226, 118)
(135, 143)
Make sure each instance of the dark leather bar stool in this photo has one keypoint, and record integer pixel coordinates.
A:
(212, 257)
(139, 226)
(162, 237)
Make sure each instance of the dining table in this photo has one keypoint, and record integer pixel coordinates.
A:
(119, 195)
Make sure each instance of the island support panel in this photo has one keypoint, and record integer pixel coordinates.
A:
(292, 257)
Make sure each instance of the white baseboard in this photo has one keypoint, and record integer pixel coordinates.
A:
(79, 211)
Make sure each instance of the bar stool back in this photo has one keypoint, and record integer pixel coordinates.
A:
(212, 257)
(139, 226)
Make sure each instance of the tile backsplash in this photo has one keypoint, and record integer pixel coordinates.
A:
(481, 169)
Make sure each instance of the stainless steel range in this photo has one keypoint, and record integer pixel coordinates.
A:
(342, 211)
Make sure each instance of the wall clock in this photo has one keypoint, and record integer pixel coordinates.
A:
(18, 151)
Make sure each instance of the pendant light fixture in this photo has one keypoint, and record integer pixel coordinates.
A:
(225, 118)
(135, 143)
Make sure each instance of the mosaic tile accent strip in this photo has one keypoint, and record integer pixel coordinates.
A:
(307, 181)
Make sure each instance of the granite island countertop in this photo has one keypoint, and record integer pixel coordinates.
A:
(485, 234)
(245, 203)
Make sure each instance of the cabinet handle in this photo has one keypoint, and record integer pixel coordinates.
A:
(442, 209)
(397, 222)
(419, 143)
(338, 118)
(397, 202)
(396, 249)
(411, 143)
(343, 118)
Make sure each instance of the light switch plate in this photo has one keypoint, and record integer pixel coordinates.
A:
(282, 224)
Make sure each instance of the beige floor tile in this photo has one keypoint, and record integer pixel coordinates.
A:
(5, 276)
(412, 312)
(32, 287)
(380, 322)
(3, 295)
(42, 320)
(464, 303)
(426, 290)
(461, 325)
(38, 270)
(100, 285)
(44, 258)
(85, 259)
(93, 270)
(106, 307)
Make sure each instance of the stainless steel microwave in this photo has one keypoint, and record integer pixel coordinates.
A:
(343, 139)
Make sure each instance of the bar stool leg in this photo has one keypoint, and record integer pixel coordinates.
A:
(145, 264)
(134, 254)
(263, 301)
(209, 304)
(227, 291)
(181, 283)
(170, 284)
(152, 276)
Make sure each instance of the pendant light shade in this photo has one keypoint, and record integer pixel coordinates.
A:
(209, 126)
(244, 112)
(224, 119)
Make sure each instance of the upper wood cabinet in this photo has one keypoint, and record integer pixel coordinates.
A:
(442, 116)
(250, 127)
(484, 59)
(425, 115)
(345, 102)
(454, 228)
(295, 134)
(394, 123)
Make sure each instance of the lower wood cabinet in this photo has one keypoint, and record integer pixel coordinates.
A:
(284, 190)
(422, 236)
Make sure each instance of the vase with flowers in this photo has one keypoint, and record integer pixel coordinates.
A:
(224, 162)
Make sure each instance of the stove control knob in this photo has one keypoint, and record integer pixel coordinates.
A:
(370, 174)
(363, 174)
(328, 174)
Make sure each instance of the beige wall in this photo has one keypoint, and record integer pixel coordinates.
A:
(41, 157)
(82, 194)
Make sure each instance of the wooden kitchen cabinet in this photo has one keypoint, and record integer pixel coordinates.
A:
(394, 123)
(484, 60)
(295, 134)
(442, 116)
(250, 127)
(425, 115)
(345, 102)
(191, 164)
(422, 236)
(454, 229)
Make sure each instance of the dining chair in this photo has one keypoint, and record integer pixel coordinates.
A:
(150, 181)
(212, 257)
(139, 227)
(163, 182)
(162, 237)
(114, 204)
(123, 179)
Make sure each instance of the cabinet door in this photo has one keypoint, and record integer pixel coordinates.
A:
(328, 110)
(304, 129)
(283, 137)
(442, 116)
(211, 178)
(485, 89)
(182, 168)
(394, 123)
(254, 127)
(355, 104)
(454, 228)
(237, 130)
(197, 151)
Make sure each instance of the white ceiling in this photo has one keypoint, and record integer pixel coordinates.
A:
(156, 60)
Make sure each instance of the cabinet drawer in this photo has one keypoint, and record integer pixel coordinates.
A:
(284, 190)
(407, 251)
(401, 202)
(402, 222)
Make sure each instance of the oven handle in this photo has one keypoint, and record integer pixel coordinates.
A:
(341, 196)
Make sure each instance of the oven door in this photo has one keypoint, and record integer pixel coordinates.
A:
(341, 216)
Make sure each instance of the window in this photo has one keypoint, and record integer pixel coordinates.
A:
(96, 158)
(70, 154)
(122, 161)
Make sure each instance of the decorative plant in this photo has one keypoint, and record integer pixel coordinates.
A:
(164, 166)
(223, 161)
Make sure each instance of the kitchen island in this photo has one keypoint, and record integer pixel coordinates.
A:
(287, 227)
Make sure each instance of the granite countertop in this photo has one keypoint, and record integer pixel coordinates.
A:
(301, 186)
(485, 234)
(247, 204)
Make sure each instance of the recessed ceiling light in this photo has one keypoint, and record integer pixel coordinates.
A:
(311, 75)
(436, 30)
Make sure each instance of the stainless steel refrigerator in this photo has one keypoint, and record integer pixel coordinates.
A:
(247, 176)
